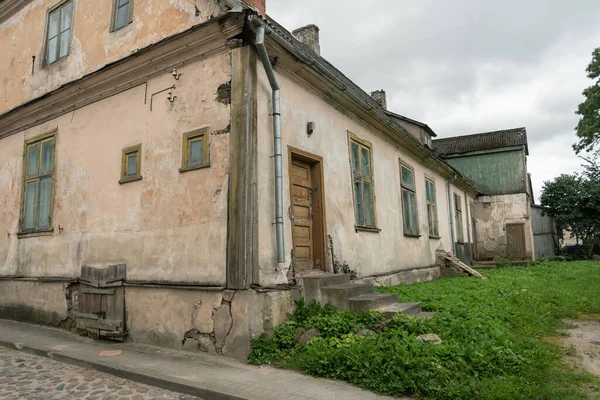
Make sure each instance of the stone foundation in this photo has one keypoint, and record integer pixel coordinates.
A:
(408, 276)
(200, 320)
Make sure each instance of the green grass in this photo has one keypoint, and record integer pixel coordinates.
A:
(499, 337)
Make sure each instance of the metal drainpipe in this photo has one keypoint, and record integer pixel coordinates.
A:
(259, 43)
(451, 217)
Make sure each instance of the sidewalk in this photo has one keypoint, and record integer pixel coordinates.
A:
(208, 377)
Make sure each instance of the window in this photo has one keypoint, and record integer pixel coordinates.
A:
(409, 201)
(362, 183)
(122, 14)
(460, 236)
(38, 185)
(431, 208)
(58, 35)
(131, 164)
(195, 153)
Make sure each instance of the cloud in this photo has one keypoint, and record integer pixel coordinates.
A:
(466, 66)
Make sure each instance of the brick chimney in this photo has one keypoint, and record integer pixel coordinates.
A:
(258, 5)
(309, 35)
(379, 96)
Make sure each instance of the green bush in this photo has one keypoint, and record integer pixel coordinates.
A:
(492, 332)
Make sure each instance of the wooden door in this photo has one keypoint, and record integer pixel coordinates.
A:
(515, 242)
(101, 302)
(302, 215)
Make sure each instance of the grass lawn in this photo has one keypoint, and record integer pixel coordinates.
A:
(499, 337)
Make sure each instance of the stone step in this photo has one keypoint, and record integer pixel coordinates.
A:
(313, 284)
(425, 314)
(372, 301)
(338, 295)
(404, 308)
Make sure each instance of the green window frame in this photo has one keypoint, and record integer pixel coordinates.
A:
(59, 25)
(432, 216)
(122, 14)
(131, 164)
(410, 215)
(37, 197)
(363, 185)
(195, 152)
(460, 234)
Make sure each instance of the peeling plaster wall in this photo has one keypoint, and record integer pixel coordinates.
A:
(92, 44)
(365, 253)
(168, 226)
(492, 214)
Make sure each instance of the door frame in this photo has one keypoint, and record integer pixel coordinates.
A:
(319, 213)
(524, 242)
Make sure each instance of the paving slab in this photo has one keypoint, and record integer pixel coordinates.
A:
(202, 375)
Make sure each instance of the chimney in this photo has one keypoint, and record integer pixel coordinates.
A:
(258, 5)
(379, 96)
(309, 35)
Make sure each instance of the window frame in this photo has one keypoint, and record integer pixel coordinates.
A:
(200, 134)
(126, 152)
(114, 13)
(51, 10)
(36, 230)
(362, 143)
(433, 204)
(460, 234)
(416, 234)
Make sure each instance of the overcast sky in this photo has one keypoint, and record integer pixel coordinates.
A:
(467, 66)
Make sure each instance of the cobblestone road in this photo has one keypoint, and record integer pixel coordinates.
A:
(25, 376)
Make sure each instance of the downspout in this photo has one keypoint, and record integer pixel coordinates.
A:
(259, 43)
(451, 217)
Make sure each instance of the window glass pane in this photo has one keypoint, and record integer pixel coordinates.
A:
(30, 197)
(368, 200)
(47, 150)
(52, 45)
(196, 151)
(132, 164)
(457, 204)
(355, 159)
(434, 220)
(358, 203)
(366, 166)
(53, 24)
(64, 43)
(413, 213)
(123, 2)
(122, 16)
(44, 206)
(33, 158)
(65, 16)
(406, 211)
(408, 179)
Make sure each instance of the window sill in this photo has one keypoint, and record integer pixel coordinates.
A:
(366, 229)
(39, 232)
(128, 179)
(412, 235)
(194, 167)
(435, 237)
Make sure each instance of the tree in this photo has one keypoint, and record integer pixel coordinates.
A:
(588, 128)
(574, 202)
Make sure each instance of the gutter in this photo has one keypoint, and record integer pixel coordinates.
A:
(259, 43)
(450, 216)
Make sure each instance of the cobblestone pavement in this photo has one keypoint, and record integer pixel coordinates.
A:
(25, 376)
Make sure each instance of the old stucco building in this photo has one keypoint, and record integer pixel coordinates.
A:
(140, 135)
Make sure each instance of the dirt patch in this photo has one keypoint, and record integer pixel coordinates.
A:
(583, 345)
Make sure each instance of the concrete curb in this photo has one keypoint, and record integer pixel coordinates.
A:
(175, 385)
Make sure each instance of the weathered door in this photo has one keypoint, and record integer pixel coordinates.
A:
(101, 302)
(302, 214)
(515, 242)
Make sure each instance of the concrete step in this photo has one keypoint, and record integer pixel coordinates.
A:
(404, 308)
(425, 314)
(372, 301)
(338, 295)
(313, 284)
